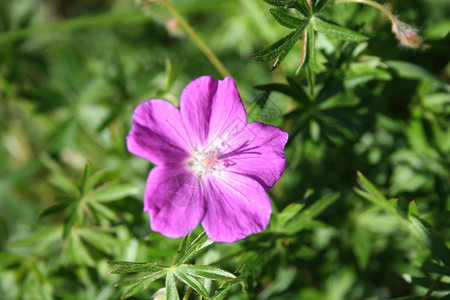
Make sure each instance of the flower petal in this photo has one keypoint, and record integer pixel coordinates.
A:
(175, 200)
(257, 152)
(212, 109)
(158, 133)
(237, 206)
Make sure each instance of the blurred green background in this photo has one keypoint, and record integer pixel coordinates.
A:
(71, 73)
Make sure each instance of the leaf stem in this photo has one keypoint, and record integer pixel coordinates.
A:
(194, 36)
(388, 13)
(431, 290)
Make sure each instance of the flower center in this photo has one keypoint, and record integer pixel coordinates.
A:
(206, 162)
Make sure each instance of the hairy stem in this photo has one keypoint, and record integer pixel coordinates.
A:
(386, 11)
(194, 36)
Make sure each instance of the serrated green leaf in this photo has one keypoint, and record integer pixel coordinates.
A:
(283, 3)
(287, 20)
(413, 209)
(225, 286)
(335, 31)
(434, 243)
(208, 272)
(191, 281)
(278, 48)
(171, 288)
(222, 291)
(193, 249)
(144, 280)
(304, 8)
(319, 5)
(311, 62)
(132, 291)
(133, 267)
(114, 192)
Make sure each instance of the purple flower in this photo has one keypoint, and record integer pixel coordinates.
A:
(211, 166)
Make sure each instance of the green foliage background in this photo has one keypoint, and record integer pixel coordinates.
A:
(71, 73)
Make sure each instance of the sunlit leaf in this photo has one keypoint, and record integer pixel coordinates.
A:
(335, 31)
(191, 281)
(208, 272)
(287, 20)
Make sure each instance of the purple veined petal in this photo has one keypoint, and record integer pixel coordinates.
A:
(257, 152)
(175, 199)
(237, 206)
(212, 109)
(158, 134)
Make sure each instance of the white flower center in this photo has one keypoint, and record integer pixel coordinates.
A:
(206, 162)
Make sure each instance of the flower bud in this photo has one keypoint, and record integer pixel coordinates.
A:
(407, 35)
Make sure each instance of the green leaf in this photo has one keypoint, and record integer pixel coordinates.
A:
(369, 192)
(171, 288)
(279, 48)
(288, 213)
(99, 240)
(225, 286)
(428, 282)
(114, 192)
(283, 3)
(139, 284)
(53, 210)
(305, 219)
(39, 236)
(95, 179)
(194, 248)
(436, 268)
(68, 224)
(208, 272)
(287, 20)
(335, 31)
(409, 71)
(133, 267)
(66, 200)
(79, 255)
(311, 62)
(319, 5)
(144, 280)
(412, 209)
(304, 8)
(321, 204)
(87, 172)
(433, 242)
(102, 210)
(191, 281)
